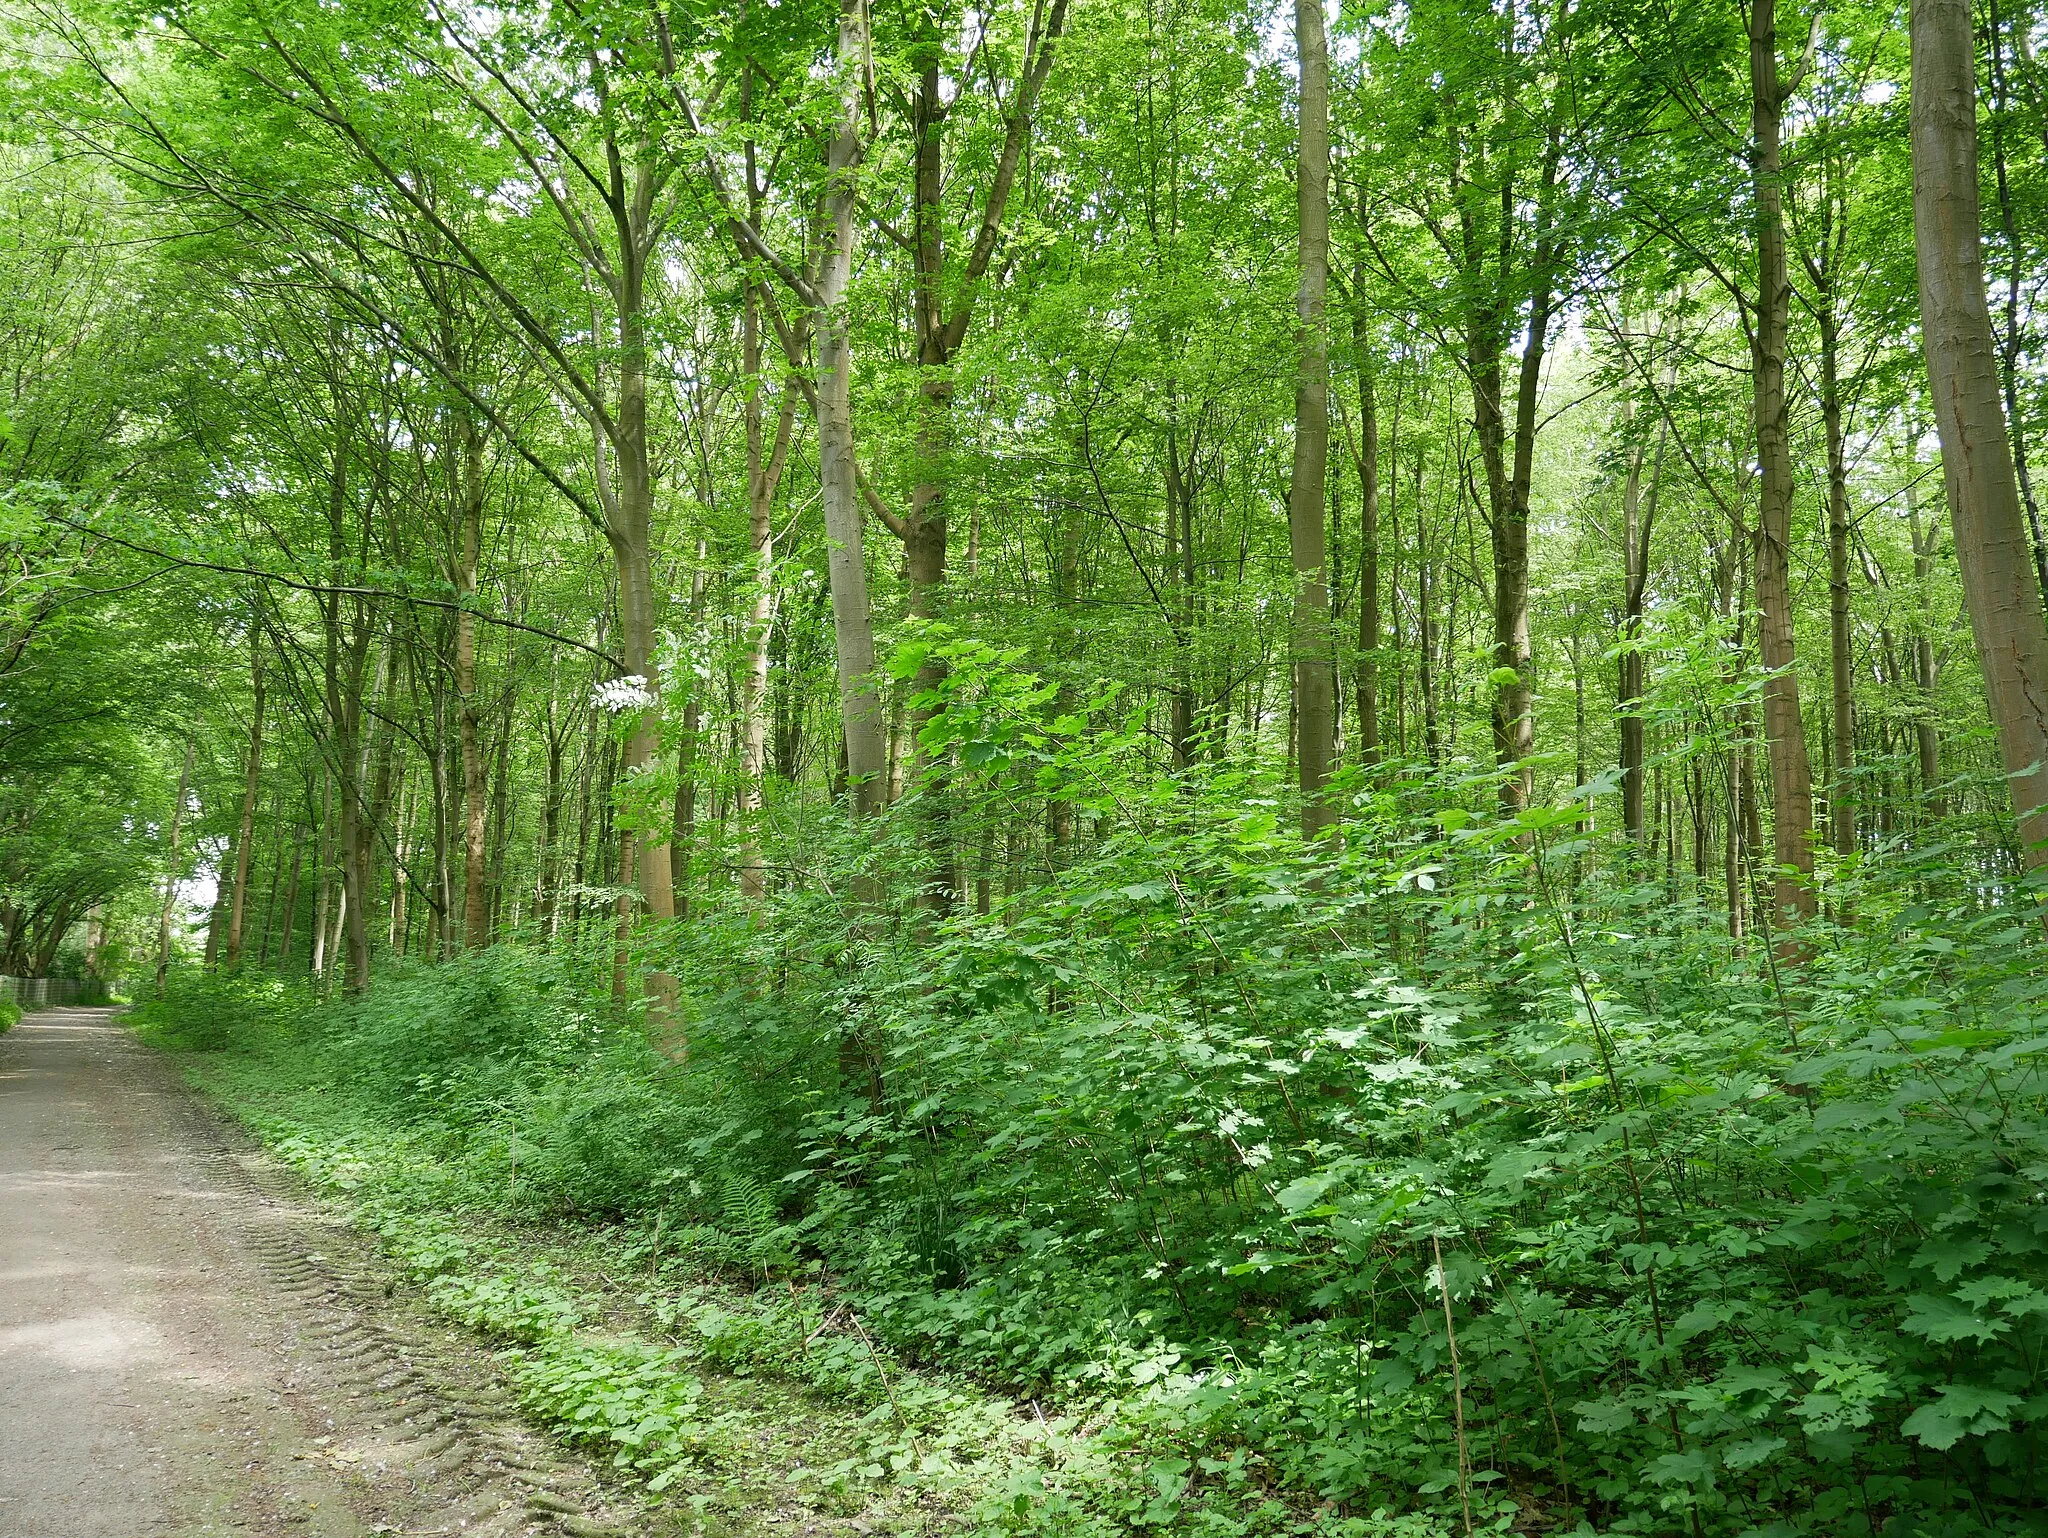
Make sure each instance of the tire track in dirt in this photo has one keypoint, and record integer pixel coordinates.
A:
(427, 1415)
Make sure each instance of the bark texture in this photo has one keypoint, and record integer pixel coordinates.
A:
(1992, 549)
(860, 706)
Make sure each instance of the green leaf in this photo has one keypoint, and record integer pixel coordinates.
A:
(1963, 1410)
(1944, 1319)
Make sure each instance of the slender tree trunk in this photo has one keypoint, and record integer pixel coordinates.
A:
(1514, 705)
(1636, 526)
(1992, 548)
(217, 915)
(631, 519)
(547, 875)
(384, 772)
(686, 758)
(395, 930)
(1178, 530)
(466, 554)
(1426, 626)
(352, 936)
(1315, 681)
(439, 890)
(163, 923)
(276, 879)
(504, 813)
(853, 624)
(1784, 724)
(323, 859)
(245, 838)
(622, 918)
(926, 530)
(586, 773)
(1841, 658)
(1066, 576)
(1926, 742)
(764, 474)
(1366, 687)
(941, 328)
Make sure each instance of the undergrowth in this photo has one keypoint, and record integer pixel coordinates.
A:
(1211, 1189)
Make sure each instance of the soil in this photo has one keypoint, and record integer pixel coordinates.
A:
(187, 1348)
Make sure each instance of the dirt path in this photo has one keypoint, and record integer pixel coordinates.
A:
(186, 1350)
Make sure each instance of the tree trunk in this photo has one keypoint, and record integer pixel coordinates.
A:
(396, 925)
(1514, 706)
(1066, 586)
(940, 331)
(1926, 742)
(631, 519)
(217, 915)
(686, 758)
(1366, 686)
(1177, 540)
(504, 812)
(764, 475)
(586, 773)
(245, 838)
(925, 531)
(1426, 628)
(1637, 523)
(352, 927)
(323, 862)
(163, 923)
(1983, 495)
(466, 553)
(276, 883)
(1315, 682)
(1841, 659)
(433, 736)
(860, 708)
(1784, 725)
(547, 866)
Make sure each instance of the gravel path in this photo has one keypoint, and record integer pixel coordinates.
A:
(188, 1349)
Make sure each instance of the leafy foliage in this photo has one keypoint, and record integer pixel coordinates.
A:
(1325, 1181)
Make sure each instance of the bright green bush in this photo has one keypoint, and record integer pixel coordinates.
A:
(210, 1012)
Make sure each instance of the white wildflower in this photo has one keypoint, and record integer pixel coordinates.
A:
(617, 694)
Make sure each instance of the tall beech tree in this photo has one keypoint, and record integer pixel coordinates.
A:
(1962, 367)
(1769, 321)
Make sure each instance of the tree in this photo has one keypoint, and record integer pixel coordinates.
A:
(1962, 370)
(1315, 673)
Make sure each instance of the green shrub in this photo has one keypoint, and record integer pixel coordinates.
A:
(605, 1139)
(215, 1011)
(441, 1039)
(1526, 1185)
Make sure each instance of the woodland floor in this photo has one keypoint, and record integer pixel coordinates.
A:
(189, 1347)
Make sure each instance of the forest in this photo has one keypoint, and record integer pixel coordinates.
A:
(1242, 770)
